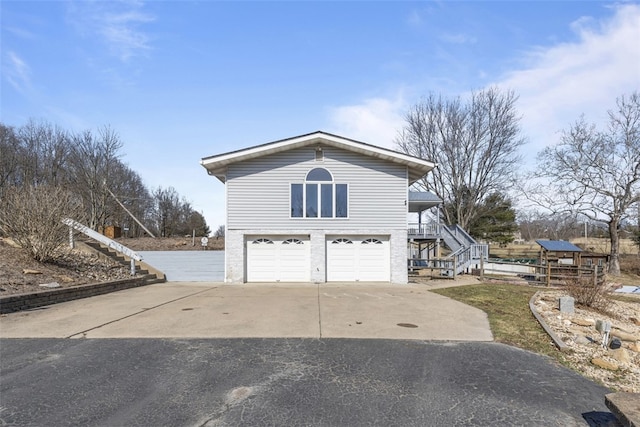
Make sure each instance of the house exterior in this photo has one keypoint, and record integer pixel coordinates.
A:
(316, 208)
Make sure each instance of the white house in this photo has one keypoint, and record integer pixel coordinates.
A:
(316, 208)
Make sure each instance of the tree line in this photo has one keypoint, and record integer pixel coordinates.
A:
(44, 162)
(589, 175)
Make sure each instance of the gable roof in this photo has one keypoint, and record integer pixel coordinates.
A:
(217, 165)
(558, 246)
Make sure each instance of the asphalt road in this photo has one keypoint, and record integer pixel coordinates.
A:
(285, 382)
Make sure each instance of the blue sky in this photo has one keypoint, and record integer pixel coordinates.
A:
(182, 80)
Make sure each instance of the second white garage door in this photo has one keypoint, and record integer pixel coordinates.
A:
(278, 259)
(358, 258)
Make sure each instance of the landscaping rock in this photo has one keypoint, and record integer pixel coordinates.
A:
(582, 340)
(604, 364)
(584, 322)
(624, 336)
(50, 285)
(621, 355)
(585, 344)
(634, 346)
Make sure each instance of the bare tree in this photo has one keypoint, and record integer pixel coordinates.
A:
(474, 144)
(595, 173)
(9, 157)
(167, 210)
(45, 153)
(32, 215)
(219, 232)
(94, 159)
(546, 225)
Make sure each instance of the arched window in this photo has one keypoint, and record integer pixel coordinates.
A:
(319, 174)
(319, 196)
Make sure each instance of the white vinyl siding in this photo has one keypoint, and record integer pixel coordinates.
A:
(259, 191)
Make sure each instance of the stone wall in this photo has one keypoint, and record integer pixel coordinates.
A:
(17, 302)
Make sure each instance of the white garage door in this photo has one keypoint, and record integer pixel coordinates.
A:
(278, 259)
(358, 258)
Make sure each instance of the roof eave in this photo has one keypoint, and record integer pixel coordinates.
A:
(417, 167)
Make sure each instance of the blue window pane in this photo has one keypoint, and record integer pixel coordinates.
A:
(312, 201)
(296, 201)
(341, 201)
(319, 174)
(326, 201)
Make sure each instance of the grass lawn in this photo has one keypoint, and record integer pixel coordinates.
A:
(507, 307)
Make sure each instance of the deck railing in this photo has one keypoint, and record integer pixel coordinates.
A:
(430, 230)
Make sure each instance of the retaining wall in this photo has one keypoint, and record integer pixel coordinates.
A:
(17, 302)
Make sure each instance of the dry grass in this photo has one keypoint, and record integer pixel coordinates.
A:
(507, 307)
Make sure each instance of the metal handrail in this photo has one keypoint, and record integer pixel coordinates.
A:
(112, 244)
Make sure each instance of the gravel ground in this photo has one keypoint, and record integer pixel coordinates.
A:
(619, 368)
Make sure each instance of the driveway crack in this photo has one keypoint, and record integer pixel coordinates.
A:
(144, 310)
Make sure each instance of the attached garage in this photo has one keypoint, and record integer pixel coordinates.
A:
(358, 259)
(278, 259)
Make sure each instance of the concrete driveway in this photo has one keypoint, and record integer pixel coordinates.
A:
(214, 310)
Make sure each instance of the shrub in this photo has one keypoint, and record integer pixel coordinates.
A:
(31, 216)
(588, 294)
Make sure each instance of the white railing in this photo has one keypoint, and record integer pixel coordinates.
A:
(111, 244)
(424, 230)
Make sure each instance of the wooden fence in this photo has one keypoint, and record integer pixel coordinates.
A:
(549, 274)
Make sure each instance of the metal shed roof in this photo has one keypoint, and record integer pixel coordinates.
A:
(558, 246)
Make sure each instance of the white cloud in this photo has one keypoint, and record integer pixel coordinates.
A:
(374, 121)
(116, 23)
(561, 82)
(17, 72)
(555, 84)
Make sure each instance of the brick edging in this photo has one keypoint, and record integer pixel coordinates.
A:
(17, 302)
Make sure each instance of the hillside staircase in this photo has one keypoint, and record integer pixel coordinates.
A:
(115, 251)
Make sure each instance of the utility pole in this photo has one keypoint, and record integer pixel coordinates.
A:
(127, 211)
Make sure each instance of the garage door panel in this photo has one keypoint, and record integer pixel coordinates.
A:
(358, 258)
(278, 259)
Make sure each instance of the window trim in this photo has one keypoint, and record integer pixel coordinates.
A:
(334, 197)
